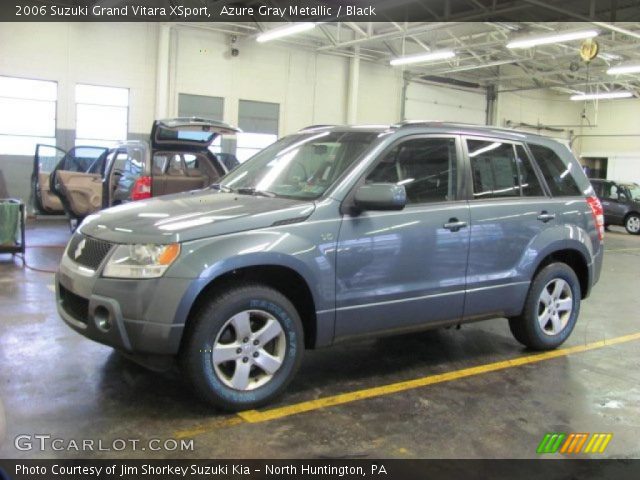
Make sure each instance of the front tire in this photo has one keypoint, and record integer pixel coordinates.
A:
(632, 224)
(244, 347)
(551, 309)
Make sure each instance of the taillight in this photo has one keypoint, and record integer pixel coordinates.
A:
(598, 214)
(141, 189)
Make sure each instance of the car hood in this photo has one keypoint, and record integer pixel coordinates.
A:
(190, 216)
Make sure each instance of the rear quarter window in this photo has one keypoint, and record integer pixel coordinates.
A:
(558, 175)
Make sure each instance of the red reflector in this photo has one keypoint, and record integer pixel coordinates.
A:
(141, 189)
(598, 214)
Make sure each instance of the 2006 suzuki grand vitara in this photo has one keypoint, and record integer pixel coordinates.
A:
(334, 233)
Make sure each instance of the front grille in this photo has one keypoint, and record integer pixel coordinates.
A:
(74, 305)
(88, 251)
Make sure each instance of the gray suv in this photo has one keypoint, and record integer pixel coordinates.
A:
(335, 233)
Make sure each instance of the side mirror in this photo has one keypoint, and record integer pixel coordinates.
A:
(380, 196)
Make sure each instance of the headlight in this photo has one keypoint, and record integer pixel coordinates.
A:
(141, 260)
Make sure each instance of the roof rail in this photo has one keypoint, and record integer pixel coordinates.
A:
(314, 127)
(413, 123)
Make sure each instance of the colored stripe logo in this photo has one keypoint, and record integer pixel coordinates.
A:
(574, 443)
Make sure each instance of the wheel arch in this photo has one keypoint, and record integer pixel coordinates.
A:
(575, 259)
(286, 279)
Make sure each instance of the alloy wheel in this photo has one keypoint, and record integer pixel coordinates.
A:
(555, 306)
(633, 224)
(249, 349)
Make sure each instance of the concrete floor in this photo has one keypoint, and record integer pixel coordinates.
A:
(53, 381)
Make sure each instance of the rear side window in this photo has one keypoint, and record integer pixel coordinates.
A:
(559, 176)
(494, 169)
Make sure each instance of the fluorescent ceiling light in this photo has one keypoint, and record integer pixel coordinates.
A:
(629, 68)
(529, 42)
(285, 31)
(601, 96)
(423, 57)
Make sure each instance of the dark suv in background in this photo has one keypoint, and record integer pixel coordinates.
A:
(621, 203)
(177, 158)
(335, 233)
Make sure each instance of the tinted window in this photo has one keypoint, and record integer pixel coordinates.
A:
(425, 166)
(494, 169)
(529, 183)
(559, 176)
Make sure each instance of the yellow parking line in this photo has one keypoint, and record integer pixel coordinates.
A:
(207, 427)
(256, 416)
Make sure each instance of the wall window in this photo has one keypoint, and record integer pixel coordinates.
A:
(259, 124)
(28, 114)
(425, 166)
(102, 115)
(203, 106)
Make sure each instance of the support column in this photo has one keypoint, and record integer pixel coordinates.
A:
(352, 91)
(162, 71)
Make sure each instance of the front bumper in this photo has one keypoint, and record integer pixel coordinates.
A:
(134, 316)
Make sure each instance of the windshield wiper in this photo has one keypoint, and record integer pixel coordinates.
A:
(253, 191)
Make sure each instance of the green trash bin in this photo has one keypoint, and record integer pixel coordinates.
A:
(10, 223)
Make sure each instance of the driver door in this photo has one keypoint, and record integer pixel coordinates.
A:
(400, 270)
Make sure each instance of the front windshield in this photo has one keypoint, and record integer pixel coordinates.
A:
(301, 166)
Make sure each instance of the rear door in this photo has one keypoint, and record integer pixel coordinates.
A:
(79, 190)
(509, 208)
(46, 158)
(405, 269)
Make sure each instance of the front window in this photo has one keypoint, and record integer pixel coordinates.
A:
(300, 166)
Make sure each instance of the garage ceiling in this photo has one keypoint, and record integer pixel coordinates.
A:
(482, 58)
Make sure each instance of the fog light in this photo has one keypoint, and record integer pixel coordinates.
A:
(102, 318)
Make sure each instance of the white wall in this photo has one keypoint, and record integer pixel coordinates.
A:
(309, 87)
(539, 107)
(109, 54)
(429, 102)
(613, 117)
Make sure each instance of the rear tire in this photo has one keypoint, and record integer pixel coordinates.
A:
(551, 309)
(632, 224)
(243, 348)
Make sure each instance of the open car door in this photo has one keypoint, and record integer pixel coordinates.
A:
(77, 180)
(45, 160)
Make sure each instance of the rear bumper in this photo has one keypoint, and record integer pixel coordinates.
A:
(134, 316)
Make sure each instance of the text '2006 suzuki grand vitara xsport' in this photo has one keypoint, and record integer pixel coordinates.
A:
(334, 233)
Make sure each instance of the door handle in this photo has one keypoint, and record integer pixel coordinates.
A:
(454, 225)
(545, 216)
